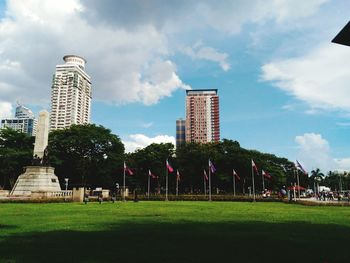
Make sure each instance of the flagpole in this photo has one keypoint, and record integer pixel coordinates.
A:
(205, 186)
(234, 183)
(263, 182)
(124, 183)
(253, 182)
(298, 184)
(209, 184)
(149, 184)
(166, 181)
(177, 183)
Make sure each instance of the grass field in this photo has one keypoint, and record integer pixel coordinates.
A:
(173, 232)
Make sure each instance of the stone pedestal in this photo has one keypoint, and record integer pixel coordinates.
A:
(78, 194)
(36, 179)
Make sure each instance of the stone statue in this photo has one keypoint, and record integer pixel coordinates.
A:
(45, 160)
(39, 178)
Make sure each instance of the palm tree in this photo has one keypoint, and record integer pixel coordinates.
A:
(316, 177)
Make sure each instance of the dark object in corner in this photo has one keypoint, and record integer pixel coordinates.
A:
(343, 36)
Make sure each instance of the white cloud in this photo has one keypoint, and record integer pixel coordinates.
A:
(315, 152)
(320, 78)
(125, 65)
(139, 141)
(343, 164)
(127, 43)
(224, 15)
(5, 110)
(229, 16)
(199, 51)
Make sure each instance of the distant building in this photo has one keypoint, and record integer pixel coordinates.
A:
(24, 121)
(180, 132)
(70, 94)
(23, 112)
(202, 116)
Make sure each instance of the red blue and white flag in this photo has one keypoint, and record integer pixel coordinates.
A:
(127, 169)
(298, 165)
(178, 176)
(212, 167)
(255, 167)
(168, 166)
(205, 175)
(236, 175)
(152, 175)
(265, 174)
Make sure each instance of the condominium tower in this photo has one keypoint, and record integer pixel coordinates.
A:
(70, 94)
(202, 116)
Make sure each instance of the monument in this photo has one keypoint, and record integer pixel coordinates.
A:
(39, 178)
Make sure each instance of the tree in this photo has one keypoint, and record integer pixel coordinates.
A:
(152, 158)
(87, 155)
(16, 152)
(316, 177)
(228, 155)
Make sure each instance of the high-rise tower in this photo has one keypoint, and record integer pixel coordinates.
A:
(180, 132)
(70, 94)
(24, 121)
(202, 116)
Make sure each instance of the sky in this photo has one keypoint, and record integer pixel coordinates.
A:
(283, 86)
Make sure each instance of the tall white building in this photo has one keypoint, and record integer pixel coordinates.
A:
(71, 94)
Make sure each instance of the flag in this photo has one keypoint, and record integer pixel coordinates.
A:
(205, 175)
(236, 175)
(177, 175)
(254, 167)
(168, 166)
(265, 174)
(298, 165)
(212, 167)
(127, 169)
(152, 175)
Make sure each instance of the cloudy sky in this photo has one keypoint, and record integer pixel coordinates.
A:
(284, 87)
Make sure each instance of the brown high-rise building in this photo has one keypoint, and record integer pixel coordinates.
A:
(202, 116)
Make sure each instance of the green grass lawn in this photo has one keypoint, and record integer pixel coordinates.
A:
(174, 232)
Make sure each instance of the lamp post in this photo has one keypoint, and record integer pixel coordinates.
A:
(66, 183)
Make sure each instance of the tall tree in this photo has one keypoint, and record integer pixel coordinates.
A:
(16, 152)
(87, 155)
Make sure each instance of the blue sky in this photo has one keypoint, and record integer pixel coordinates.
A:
(283, 86)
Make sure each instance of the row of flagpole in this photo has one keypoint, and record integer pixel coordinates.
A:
(211, 169)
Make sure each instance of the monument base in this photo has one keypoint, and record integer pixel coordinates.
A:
(36, 179)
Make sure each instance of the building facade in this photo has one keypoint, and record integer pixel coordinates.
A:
(180, 132)
(24, 121)
(70, 94)
(202, 116)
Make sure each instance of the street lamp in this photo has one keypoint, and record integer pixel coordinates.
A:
(66, 183)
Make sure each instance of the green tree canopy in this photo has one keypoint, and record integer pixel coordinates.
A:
(87, 155)
(192, 159)
(16, 152)
(152, 157)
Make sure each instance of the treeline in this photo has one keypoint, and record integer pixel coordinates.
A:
(92, 156)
